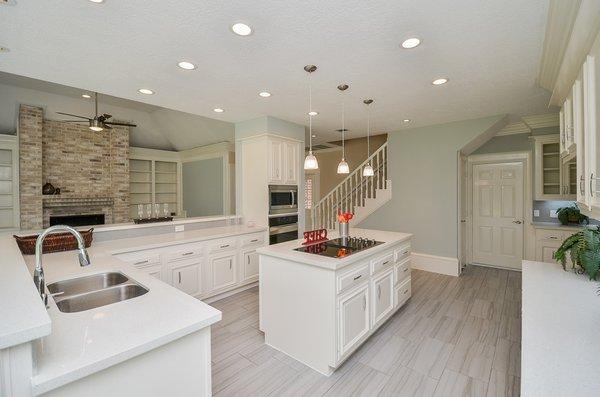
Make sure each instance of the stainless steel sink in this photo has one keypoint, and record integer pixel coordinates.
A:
(96, 290)
(91, 300)
(80, 285)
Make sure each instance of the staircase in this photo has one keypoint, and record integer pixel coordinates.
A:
(358, 194)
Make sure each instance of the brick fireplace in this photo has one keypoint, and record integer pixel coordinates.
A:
(90, 168)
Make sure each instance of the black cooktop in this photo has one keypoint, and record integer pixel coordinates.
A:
(339, 247)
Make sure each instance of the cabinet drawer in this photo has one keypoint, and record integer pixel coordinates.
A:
(401, 271)
(549, 235)
(183, 253)
(253, 239)
(402, 293)
(352, 277)
(401, 253)
(139, 260)
(382, 262)
(222, 245)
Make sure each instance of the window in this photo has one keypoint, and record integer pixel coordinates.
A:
(308, 193)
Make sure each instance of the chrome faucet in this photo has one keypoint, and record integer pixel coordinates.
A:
(38, 274)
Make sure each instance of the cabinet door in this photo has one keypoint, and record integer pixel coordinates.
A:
(382, 292)
(567, 140)
(578, 125)
(590, 131)
(222, 271)
(353, 320)
(561, 128)
(250, 265)
(153, 270)
(185, 276)
(291, 163)
(275, 161)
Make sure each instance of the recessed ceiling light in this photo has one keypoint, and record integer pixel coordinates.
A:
(86, 96)
(411, 43)
(440, 81)
(264, 94)
(218, 110)
(406, 120)
(241, 29)
(97, 1)
(146, 91)
(313, 113)
(4, 49)
(314, 136)
(186, 65)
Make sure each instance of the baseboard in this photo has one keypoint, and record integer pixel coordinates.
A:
(213, 298)
(435, 264)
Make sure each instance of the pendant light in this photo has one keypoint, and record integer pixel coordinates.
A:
(310, 162)
(368, 170)
(343, 167)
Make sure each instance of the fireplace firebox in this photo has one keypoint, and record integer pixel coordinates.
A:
(77, 220)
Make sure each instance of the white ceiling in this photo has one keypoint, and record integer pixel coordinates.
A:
(490, 51)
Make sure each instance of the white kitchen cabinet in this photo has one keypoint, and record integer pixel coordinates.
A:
(283, 164)
(9, 182)
(153, 270)
(382, 292)
(249, 266)
(353, 319)
(222, 269)
(185, 275)
(567, 137)
(553, 179)
(547, 242)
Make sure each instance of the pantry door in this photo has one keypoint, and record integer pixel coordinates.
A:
(498, 214)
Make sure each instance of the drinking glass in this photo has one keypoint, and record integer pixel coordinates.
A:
(148, 210)
(140, 211)
(166, 211)
(157, 210)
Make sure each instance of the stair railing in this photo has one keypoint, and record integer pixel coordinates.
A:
(352, 191)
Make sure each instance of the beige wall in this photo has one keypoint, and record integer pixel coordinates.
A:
(356, 153)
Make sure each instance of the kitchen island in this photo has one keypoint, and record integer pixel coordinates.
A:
(319, 309)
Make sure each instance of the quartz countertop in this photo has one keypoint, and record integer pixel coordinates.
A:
(560, 322)
(74, 345)
(558, 226)
(286, 250)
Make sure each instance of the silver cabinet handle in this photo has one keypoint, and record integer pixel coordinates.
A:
(248, 259)
(253, 241)
(379, 292)
(179, 277)
(385, 263)
(141, 262)
(357, 277)
(364, 303)
(187, 253)
(553, 237)
(591, 180)
(230, 264)
(405, 270)
(225, 246)
(517, 222)
(405, 292)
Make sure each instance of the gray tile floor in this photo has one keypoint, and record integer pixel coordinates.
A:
(455, 337)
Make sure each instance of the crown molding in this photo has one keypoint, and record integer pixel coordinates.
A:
(514, 128)
(529, 123)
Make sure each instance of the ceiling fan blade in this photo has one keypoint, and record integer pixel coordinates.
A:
(107, 116)
(73, 115)
(74, 121)
(125, 124)
(106, 126)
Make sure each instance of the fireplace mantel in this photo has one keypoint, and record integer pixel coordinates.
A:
(58, 201)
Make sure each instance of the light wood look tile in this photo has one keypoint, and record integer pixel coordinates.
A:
(456, 336)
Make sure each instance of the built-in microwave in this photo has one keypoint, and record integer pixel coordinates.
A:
(283, 199)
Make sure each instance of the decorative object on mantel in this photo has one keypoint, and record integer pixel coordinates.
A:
(315, 236)
(583, 248)
(571, 215)
(48, 189)
(57, 191)
(56, 242)
(137, 221)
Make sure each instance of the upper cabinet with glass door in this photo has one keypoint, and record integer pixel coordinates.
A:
(567, 131)
(554, 180)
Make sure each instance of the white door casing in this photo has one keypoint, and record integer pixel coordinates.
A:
(498, 214)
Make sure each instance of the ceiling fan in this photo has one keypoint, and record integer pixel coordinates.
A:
(99, 122)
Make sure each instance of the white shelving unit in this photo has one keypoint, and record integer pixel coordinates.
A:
(554, 180)
(9, 182)
(154, 180)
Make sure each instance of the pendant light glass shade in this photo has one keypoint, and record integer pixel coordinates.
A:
(310, 162)
(343, 167)
(368, 170)
(95, 125)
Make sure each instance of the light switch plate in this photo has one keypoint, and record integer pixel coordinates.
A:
(553, 214)
(179, 228)
(536, 212)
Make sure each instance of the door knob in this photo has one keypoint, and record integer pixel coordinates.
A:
(517, 222)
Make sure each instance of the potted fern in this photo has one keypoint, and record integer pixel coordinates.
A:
(571, 214)
(583, 248)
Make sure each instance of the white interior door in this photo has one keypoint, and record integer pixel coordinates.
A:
(498, 214)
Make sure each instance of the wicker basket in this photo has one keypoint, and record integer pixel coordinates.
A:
(53, 242)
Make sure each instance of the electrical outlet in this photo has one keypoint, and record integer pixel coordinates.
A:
(179, 228)
(553, 214)
(536, 212)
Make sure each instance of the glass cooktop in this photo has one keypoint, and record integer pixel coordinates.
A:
(339, 247)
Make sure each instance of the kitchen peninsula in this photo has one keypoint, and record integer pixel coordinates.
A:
(320, 305)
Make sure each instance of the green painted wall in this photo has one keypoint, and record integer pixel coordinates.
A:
(203, 187)
(423, 168)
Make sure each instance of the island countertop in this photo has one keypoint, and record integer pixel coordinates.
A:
(561, 318)
(287, 250)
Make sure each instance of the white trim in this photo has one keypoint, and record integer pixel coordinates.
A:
(528, 229)
(514, 128)
(436, 264)
(267, 135)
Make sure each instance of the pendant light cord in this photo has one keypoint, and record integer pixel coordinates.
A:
(368, 132)
(343, 128)
(309, 114)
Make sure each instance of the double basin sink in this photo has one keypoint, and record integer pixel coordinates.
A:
(96, 290)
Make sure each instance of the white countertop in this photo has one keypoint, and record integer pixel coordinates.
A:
(86, 342)
(560, 353)
(558, 226)
(287, 250)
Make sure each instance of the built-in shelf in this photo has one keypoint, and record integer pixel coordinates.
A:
(159, 181)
